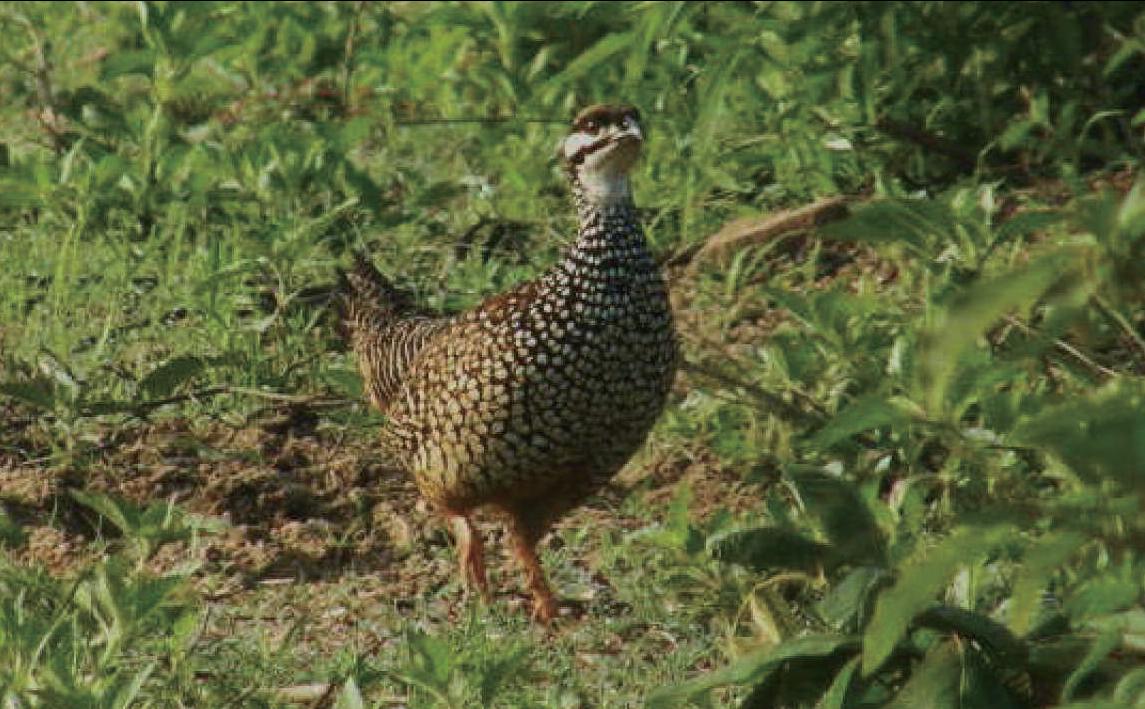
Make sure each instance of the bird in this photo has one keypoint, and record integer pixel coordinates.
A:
(530, 402)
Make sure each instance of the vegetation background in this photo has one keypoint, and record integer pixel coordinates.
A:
(904, 463)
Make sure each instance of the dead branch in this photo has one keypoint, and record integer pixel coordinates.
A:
(751, 231)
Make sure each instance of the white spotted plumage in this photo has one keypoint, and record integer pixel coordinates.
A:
(534, 399)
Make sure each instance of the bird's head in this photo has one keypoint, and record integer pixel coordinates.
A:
(601, 149)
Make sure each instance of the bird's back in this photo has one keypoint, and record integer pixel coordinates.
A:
(559, 377)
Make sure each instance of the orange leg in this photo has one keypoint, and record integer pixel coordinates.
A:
(524, 540)
(470, 555)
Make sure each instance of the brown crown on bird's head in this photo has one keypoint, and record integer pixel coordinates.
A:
(602, 147)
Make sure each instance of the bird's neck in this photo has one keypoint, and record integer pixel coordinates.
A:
(601, 191)
(610, 242)
(606, 215)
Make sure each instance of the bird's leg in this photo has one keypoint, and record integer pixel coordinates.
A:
(470, 555)
(524, 539)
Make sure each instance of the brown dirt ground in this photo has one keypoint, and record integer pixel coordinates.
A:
(310, 510)
(300, 504)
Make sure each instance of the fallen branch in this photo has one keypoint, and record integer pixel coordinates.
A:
(754, 230)
(1066, 347)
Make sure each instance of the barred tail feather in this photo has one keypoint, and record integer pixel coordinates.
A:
(382, 325)
(366, 298)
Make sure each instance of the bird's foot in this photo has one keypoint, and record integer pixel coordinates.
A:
(471, 557)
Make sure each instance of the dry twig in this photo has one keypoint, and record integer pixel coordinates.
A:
(750, 231)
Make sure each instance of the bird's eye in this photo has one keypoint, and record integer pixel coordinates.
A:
(591, 126)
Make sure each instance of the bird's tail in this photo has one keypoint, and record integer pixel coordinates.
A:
(367, 300)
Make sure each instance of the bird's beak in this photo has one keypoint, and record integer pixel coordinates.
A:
(627, 133)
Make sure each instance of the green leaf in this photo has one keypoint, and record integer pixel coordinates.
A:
(984, 682)
(862, 415)
(1130, 689)
(588, 60)
(1041, 560)
(846, 520)
(1100, 436)
(945, 343)
(37, 392)
(678, 531)
(11, 534)
(123, 62)
(430, 658)
(122, 514)
(920, 580)
(1131, 213)
(19, 194)
(1104, 644)
(935, 683)
(1004, 648)
(166, 378)
(836, 695)
(129, 690)
(849, 600)
(765, 548)
(1015, 134)
(1102, 594)
(754, 667)
(345, 381)
(920, 224)
(1026, 223)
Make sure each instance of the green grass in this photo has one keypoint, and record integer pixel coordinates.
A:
(901, 466)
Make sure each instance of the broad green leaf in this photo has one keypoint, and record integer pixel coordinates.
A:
(862, 415)
(345, 381)
(19, 194)
(935, 683)
(754, 667)
(992, 636)
(1099, 436)
(37, 392)
(129, 689)
(920, 580)
(122, 514)
(11, 534)
(844, 516)
(1015, 134)
(836, 695)
(678, 531)
(1131, 214)
(1104, 644)
(765, 548)
(431, 657)
(1026, 223)
(1041, 560)
(957, 329)
(125, 61)
(588, 60)
(984, 682)
(849, 600)
(169, 376)
(1130, 689)
(1103, 594)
